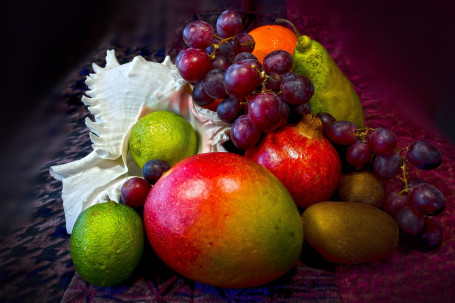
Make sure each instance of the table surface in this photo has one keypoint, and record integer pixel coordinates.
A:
(35, 263)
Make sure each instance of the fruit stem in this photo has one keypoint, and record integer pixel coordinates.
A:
(310, 126)
(404, 168)
(363, 133)
(217, 45)
(296, 31)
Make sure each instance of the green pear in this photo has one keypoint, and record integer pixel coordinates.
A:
(333, 92)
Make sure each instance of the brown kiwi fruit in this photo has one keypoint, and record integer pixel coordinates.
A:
(362, 187)
(348, 233)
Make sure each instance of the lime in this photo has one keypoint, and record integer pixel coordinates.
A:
(164, 136)
(107, 243)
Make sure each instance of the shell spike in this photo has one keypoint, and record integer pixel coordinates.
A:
(96, 68)
(167, 62)
(111, 59)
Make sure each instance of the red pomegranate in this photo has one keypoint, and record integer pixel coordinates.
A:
(302, 159)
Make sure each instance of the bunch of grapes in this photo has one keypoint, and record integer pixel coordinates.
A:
(255, 97)
(413, 206)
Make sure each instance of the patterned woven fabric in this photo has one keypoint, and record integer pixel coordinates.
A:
(35, 264)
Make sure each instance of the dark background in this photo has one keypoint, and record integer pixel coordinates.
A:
(403, 49)
(407, 46)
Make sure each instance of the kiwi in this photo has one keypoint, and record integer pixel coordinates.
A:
(362, 187)
(349, 233)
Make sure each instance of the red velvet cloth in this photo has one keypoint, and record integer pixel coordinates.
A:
(409, 275)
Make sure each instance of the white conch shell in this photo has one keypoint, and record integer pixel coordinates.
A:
(118, 96)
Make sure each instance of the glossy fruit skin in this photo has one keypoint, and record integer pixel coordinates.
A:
(200, 96)
(240, 80)
(134, 191)
(341, 132)
(423, 155)
(302, 159)
(198, 34)
(228, 24)
(221, 219)
(193, 64)
(272, 37)
(244, 42)
(264, 110)
(243, 133)
(278, 61)
(410, 220)
(153, 170)
(427, 199)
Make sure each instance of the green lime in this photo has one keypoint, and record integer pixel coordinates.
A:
(107, 243)
(164, 136)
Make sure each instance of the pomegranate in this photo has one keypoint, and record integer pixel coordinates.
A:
(302, 159)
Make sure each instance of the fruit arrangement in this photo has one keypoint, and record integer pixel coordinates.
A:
(235, 156)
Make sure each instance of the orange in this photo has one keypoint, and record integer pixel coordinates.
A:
(269, 38)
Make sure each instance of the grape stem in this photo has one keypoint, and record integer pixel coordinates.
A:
(264, 78)
(363, 133)
(217, 45)
(404, 168)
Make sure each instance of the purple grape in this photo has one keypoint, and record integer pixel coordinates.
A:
(229, 109)
(427, 199)
(409, 220)
(255, 64)
(432, 234)
(358, 154)
(265, 111)
(240, 80)
(304, 109)
(423, 155)
(179, 56)
(273, 82)
(297, 90)
(243, 133)
(193, 64)
(382, 141)
(134, 191)
(413, 182)
(226, 49)
(395, 202)
(154, 169)
(244, 55)
(221, 61)
(228, 24)
(278, 61)
(198, 34)
(326, 119)
(288, 75)
(341, 132)
(200, 97)
(244, 42)
(285, 113)
(235, 48)
(387, 166)
(213, 83)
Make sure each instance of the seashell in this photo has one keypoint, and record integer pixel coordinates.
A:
(118, 96)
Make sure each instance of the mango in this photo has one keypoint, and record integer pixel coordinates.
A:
(348, 232)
